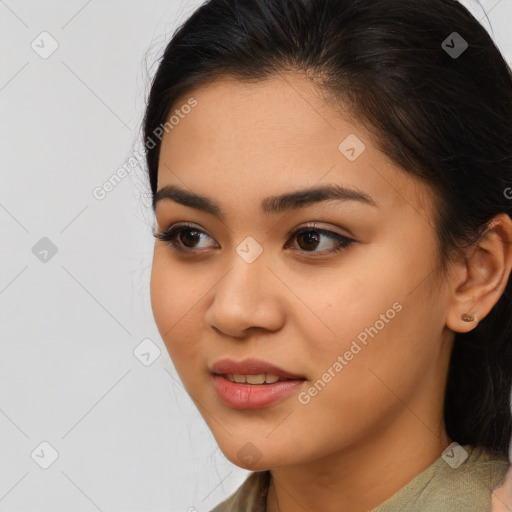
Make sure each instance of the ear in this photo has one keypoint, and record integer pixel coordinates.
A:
(478, 282)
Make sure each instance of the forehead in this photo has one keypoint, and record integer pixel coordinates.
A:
(272, 135)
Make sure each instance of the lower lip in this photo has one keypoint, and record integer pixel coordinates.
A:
(253, 396)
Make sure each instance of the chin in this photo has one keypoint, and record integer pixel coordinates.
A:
(252, 458)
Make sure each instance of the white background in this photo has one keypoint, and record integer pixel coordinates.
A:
(128, 437)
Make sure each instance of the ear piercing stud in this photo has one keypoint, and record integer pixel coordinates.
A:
(467, 317)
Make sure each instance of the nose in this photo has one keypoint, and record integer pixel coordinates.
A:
(248, 297)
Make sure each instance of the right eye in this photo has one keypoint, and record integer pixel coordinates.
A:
(182, 237)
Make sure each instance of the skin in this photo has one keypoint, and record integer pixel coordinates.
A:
(502, 497)
(379, 421)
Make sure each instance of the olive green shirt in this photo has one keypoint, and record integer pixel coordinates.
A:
(441, 487)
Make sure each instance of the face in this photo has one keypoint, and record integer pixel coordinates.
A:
(349, 307)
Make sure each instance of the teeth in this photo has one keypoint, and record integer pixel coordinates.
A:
(261, 378)
(255, 379)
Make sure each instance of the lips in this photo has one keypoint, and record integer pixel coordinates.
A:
(251, 367)
(252, 383)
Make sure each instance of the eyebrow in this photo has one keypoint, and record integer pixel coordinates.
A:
(271, 205)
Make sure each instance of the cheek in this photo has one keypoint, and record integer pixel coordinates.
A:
(163, 303)
(376, 317)
(354, 385)
(346, 303)
(175, 301)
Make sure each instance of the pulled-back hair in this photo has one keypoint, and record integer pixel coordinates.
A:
(444, 117)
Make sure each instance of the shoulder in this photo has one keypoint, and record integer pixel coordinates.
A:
(476, 477)
(463, 485)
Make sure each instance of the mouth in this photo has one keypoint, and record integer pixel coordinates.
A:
(254, 379)
(252, 371)
(252, 383)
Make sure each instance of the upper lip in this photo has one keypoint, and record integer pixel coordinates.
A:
(250, 367)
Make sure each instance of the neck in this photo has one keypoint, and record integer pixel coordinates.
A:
(361, 477)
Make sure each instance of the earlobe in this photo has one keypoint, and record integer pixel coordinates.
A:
(483, 277)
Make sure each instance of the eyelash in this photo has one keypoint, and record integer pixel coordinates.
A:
(169, 237)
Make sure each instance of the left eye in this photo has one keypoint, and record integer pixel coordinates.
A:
(185, 237)
(311, 239)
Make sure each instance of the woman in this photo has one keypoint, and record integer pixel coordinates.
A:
(332, 186)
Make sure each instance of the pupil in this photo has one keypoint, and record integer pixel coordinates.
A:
(193, 237)
(310, 236)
